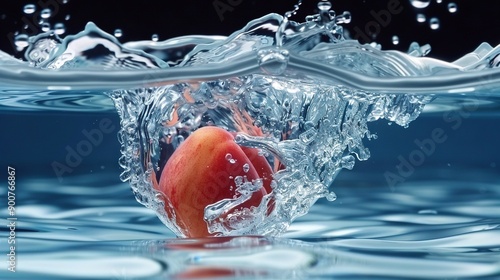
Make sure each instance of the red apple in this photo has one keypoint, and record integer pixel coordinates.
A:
(201, 171)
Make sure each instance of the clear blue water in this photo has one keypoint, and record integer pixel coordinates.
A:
(421, 202)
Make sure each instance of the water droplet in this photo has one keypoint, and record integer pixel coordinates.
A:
(29, 9)
(67, 17)
(331, 196)
(324, 6)
(45, 26)
(246, 167)
(45, 13)
(65, 1)
(395, 40)
(155, 37)
(420, 4)
(273, 61)
(421, 18)
(21, 41)
(59, 28)
(452, 7)
(439, 1)
(434, 23)
(118, 33)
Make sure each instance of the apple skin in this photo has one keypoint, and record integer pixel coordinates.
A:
(201, 172)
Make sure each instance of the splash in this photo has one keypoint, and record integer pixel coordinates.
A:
(308, 91)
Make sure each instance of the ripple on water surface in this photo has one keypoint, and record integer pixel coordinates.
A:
(353, 237)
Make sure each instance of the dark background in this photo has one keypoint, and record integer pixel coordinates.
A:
(31, 141)
(461, 32)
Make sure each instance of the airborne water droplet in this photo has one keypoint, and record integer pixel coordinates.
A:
(420, 4)
(155, 37)
(118, 33)
(439, 1)
(21, 42)
(59, 28)
(421, 18)
(45, 13)
(395, 40)
(452, 7)
(45, 26)
(324, 6)
(29, 9)
(434, 23)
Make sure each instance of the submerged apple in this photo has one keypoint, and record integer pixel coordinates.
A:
(202, 171)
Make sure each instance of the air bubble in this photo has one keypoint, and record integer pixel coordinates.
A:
(59, 28)
(46, 13)
(452, 7)
(395, 40)
(421, 18)
(246, 167)
(238, 139)
(229, 157)
(434, 23)
(179, 139)
(118, 33)
(29, 9)
(155, 37)
(420, 4)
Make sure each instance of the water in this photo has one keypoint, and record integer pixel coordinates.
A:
(434, 23)
(417, 199)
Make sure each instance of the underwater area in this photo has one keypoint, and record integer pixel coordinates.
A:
(382, 138)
